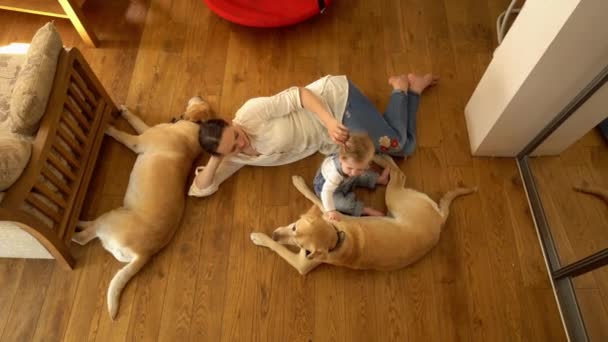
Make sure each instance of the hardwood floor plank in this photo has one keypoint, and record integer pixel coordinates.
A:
(59, 300)
(451, 295)
(545, 324)
(242, 293)
(468, 227)
(390, 309)
(145, 315)
(330, 303)
(181, 286)
(211, 282)
(419, 300)
(594, 314)
(11, 271)
(29, 298)
(292, 293)
(361, 312)
(89, 301)
(499, 234)
(531, 260)
(469, 36)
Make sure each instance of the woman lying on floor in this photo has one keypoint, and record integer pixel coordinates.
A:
(299, 121)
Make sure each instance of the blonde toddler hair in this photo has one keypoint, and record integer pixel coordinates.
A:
(359, 147)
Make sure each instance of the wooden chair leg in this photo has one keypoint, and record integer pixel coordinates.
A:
(77, 18)
(58, 249)
(41, 232)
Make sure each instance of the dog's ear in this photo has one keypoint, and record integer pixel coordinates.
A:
(198, 112)
(314, 211)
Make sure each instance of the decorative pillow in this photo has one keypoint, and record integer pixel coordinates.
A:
(10, 65)
(15, 153)
(34, 82)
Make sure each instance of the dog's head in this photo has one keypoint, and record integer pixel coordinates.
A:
(197, 111)
(312, 233)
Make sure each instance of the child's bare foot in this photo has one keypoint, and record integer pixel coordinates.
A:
(384, 177)
(398, 82)
(372, 212)
(419, 83)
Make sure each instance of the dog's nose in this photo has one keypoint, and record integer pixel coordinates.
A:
(275, 236)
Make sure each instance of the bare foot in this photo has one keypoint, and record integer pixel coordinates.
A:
(398, 82)
(419, 83)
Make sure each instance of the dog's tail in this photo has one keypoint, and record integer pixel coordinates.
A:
(592, 189)
(446, 201)
(121, 279)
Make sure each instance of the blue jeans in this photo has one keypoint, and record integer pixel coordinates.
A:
(394, 132)
(345, 199)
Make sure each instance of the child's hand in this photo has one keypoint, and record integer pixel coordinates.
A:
(334, 215)
(384, 177)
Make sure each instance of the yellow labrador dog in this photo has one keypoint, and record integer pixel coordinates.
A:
(155, 197)
(380, 243)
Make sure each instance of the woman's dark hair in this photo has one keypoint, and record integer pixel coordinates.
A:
(210, 135)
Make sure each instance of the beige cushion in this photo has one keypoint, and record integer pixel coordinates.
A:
(17, 243)
(14, 155)
(10, 65)
(34, 82)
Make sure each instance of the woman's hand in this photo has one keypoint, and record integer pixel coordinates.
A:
(310, 101)
(204, 176)
(337, 132)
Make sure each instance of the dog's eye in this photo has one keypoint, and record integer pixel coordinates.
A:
(307, 252)
(293, 228)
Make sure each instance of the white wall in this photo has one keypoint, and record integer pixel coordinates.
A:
(552, 51)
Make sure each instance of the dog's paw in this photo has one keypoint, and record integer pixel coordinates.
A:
(298, 181)
(260, 239)
(79, 239)
(123, 110)
(111, 130)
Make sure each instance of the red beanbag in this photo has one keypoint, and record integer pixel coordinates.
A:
(267, 13)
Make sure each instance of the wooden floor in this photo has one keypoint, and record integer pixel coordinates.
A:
(485, 281)
(579, 222)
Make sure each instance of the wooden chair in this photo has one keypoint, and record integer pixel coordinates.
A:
(69, 9)
(64, 154)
